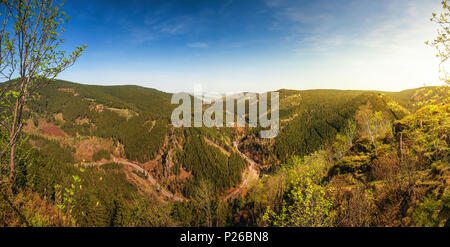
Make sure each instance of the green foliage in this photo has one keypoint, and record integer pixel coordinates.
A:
(104, 197)
(441, 42)
(191, 213)
(30, 45)
(208, 164)
(94, 196)
(141, 140)
(149, 212)
(307, 203)
(331, 186)
(354, 163)
(428, 131)
(65, 197)
(427, 213)
(321, 115)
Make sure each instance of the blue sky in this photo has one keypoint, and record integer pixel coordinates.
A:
(253, 45)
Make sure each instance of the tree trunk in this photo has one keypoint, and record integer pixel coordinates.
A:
(12, 164)
(400, 146)
(373, 139)
(14, 136)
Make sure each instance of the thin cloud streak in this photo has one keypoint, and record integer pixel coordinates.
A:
(198, 45)
(344, 44)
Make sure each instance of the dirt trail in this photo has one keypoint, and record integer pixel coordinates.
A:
(163, 191)
(214, 144)
(253, 173)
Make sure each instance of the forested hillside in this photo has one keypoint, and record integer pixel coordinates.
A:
(78, 155)
(309, 119)
(341, 147)
(105, 112)
(375, 172)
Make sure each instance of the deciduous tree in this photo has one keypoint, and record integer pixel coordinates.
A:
(30, 37)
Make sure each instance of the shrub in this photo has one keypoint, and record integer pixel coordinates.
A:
(426, 214)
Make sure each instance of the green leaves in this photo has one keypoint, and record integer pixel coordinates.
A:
(14, 94)
(29, 51)
(427, 213)
(307, 202)
(76, 179)
(33, 39)
(442, 42)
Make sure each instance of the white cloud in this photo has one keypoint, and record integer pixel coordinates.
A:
(198, 45)
(386, 53)
(344, 49)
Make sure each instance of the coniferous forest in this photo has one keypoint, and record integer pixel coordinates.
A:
(73, 154)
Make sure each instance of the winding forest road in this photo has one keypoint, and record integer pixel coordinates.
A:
(163, 191)
(253, 173)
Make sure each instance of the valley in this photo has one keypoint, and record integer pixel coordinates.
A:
(314, 114)
(225, 176)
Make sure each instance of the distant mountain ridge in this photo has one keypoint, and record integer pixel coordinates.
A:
(134, 168)
(133, 122)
